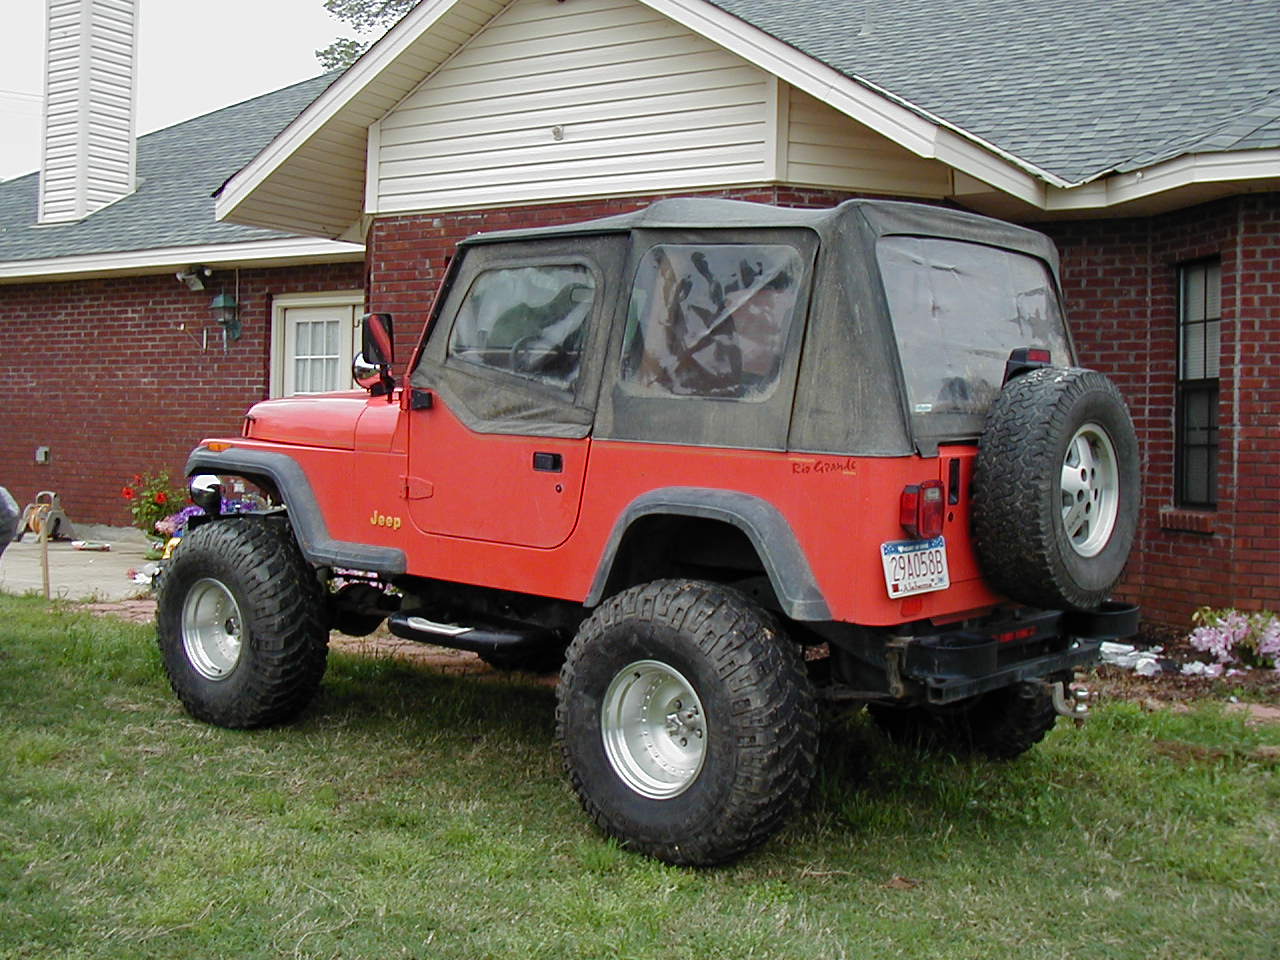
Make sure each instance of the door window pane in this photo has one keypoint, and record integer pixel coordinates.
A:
(316, 356)
(527, 321)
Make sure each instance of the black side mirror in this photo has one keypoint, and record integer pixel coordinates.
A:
(372, 368)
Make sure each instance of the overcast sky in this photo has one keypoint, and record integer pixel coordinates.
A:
(194, 56)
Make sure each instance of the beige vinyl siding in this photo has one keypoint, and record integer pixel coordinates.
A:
(88, 150)
(826, 148)
(317, 190)
(554, 100)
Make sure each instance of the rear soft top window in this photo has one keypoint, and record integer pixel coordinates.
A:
(710, 320)
(958, 309)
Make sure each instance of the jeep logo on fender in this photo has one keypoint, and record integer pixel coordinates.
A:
(382, 520)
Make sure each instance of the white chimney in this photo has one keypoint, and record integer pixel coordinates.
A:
(88, 157)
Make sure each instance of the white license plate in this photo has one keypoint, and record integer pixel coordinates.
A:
(915, 566)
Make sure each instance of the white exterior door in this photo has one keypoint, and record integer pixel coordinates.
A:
(314, 339)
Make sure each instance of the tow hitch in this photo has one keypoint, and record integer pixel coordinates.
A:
(1076, 708)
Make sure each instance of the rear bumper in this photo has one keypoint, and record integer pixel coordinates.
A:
(953, 666)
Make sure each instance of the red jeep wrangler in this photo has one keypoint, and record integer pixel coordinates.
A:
(685, 453)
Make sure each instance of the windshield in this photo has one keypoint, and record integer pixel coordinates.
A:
(958, 309)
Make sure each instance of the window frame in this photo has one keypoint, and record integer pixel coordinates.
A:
(280, 305)
(1188, 389)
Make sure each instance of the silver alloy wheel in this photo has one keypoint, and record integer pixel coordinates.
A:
(212, 628)
(1090, 490)
(654, 729)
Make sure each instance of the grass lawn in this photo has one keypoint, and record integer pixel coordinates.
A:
(415, 814)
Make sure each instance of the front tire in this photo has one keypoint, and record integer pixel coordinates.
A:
(241, 624)
(686, 721)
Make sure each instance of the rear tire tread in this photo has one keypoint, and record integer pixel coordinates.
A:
(773, 712)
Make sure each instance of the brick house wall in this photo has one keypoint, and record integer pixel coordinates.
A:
(1120, 282)
(104, 373)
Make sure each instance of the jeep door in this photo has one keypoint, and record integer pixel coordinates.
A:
(512, 366)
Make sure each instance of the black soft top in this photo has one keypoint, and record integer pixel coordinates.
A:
(880, 216)
(844, 391)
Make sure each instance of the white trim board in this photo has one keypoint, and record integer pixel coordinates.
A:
(264, 253)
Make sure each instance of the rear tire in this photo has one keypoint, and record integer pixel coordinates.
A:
(1001, 724)
(241, 624)
(686, 720)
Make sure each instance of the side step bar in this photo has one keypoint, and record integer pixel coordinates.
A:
(494, 637)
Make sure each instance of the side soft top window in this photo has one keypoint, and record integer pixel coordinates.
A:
(529, 321)
(710, 320)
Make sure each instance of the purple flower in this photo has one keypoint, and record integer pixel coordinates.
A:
(1232, 637)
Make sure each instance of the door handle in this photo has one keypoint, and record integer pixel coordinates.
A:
(548, 462)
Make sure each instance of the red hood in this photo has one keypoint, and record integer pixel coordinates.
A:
(328, 420)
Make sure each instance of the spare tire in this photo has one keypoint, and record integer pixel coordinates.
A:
(1056, 489)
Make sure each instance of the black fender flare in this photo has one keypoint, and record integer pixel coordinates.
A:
(305, 516)
(765, 527)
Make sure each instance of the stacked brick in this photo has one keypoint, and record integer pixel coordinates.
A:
(116, 378)
(1120, 283)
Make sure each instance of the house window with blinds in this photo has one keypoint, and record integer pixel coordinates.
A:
(1199, 362)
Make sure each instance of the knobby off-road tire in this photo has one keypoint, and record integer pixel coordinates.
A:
(1056, 489)
(241, 624)
(1001, 724)
(686, 721)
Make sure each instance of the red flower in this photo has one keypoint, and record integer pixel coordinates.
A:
(137, 478)
(127, 493)
(162, 497)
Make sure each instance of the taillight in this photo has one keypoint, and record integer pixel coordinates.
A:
(921, 509)
(1009, 636)
(1024, 359)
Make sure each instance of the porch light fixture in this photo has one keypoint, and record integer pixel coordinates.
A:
(194, 277)
(226, 314)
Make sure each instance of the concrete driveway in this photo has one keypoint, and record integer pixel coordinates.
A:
(78, 574)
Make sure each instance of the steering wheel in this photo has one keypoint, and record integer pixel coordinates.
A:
(524, 357)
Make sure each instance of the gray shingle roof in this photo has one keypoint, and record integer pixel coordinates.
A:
(1077, 89)
(179, 167)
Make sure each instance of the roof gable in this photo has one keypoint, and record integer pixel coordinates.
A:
(1038, 108)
